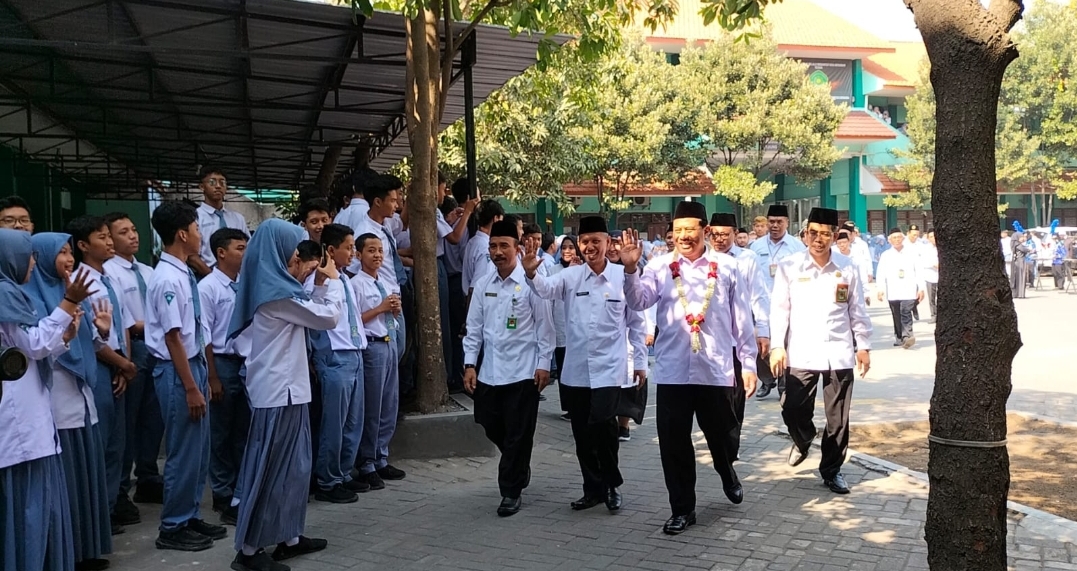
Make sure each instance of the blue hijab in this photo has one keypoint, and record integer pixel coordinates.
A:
(264, 276)
(15, 253)
(46, 288)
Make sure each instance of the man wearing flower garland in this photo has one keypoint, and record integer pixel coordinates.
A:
(596, 359)
(704, 312)
(818, 301)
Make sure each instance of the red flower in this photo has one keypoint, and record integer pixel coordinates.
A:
(713, 273)
(695, 329)
(675, 269)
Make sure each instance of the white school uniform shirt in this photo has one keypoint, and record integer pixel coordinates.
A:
(815, 329)
(510, 355)
(897, 274)
(352, 214)
(929, 258)
(770, 253)
(596, 352)
(860, 252)
(275, 345)
(748, 264)
(476, 260)
(27, 429)
(218, 300)
(387, 272)
(122, 274)
(727, 326)
(340, 337)
(71, 400)
(93, 279)
(170, 305)
(209, 222)
(443, 228)
(368, 297)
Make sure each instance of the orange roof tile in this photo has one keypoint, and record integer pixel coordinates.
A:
(863, 126)
(694, 183)
(889, 185)
(900, 68)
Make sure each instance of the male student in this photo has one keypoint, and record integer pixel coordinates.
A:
(229, 408)
(176, 336)
(338, 360)
(380, 365)
(477, 252)
(93, 246)
(15, 214)
(514, 328)
(212, 216)
(314, 214)
(145, 427)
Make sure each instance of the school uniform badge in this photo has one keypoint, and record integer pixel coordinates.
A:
(169, 296)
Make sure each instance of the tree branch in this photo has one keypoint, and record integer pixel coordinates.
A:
(478, 18)
(1008, 12)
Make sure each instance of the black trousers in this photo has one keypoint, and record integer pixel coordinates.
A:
(762, 365)
(712, 407)
(932, 297)
(901, 312)
(1059, 273)
(508, 414)
(739, 396)
(457, 317)
(798, 407)
(596, 438)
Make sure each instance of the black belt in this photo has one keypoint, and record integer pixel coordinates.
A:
(373, 339)
(229, 356)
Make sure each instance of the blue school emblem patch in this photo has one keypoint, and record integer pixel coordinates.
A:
(169, 296)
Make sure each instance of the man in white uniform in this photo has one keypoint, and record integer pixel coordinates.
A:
(899, 281)
(212, 216)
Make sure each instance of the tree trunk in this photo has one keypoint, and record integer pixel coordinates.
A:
(422, 119)
(976, 336)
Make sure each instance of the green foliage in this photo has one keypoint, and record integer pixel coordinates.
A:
(1065, 189)
(741, 186)
(918, 166)
(754, 110)
(733, 14)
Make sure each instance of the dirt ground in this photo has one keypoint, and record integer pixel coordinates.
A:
(1043, 458)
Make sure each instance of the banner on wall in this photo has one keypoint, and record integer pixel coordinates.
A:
(838, 74)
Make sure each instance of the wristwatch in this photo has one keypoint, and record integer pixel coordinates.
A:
(469, 366)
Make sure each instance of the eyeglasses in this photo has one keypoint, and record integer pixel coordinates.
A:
(11, 221)
(216, 182)
(721, 234)
(825, 234)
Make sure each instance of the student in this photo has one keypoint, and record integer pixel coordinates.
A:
(212, 216)
(145, 428)
(380, 366)
(314, 214)
(94, 246)
(229, 408)
(72, 375)
(338, 361)
(33, 494)
(15, 214)
(176, 337)
(269, 322)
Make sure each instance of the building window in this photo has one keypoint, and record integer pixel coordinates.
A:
(673, 59)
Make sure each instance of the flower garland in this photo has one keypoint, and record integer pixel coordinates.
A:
(695, 321)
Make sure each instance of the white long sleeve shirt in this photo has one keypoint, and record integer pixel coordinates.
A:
(513, 325)
(861, 254)
(771, 253)
(275, 345)
(748, 264)
(727, 326)
(897, 274)
(27, 429)
(822, 311)
(596, 352)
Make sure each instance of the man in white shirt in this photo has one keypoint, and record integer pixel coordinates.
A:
(704, 311)
(212, 216)
(772, 249)
(314, 214)
(929, 267)
(513, 326)
(821, 330)
(356, 208)
(145, 427)
(899, 281)
(914, 246)
(843, 244)
(477, 253)
(596, 356)
(859, 250)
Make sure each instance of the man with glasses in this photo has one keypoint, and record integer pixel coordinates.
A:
(821, 330)
(772, 249)
(15, 214)
(212, 216)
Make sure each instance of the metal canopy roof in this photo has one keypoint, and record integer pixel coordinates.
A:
(120, 91)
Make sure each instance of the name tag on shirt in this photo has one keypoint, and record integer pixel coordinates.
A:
(582, 293)
(804, 279)
(773, 270)
(901, 274)
(614, 301)
(491, 294)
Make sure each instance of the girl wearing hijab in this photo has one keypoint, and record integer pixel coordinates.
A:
(269, 323)
(36, 529)
(73, 409)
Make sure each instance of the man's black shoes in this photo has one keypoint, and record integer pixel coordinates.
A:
(613, 499)
(796, 455)
(586, 502)
(678, 523)
(509, 506)
(837, 484)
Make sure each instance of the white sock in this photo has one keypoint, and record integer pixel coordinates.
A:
(292, 542)
(248, 550)
(235, 501)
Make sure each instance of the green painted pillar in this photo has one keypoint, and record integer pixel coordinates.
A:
(558, 222)
(891, 218)
(858, 84)
(540, 213)
(826, 198)
(858, 204)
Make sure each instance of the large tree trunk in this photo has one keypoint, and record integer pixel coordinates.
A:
(976, 336)
(422, 119)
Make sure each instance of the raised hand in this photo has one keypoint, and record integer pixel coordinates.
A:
(631, 250)
(531, 260)
(328, 271)
(102, 317)
(78, 289)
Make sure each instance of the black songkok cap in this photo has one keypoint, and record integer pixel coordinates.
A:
(687, 209)
(592, 224)
(849, 225)
(504, 229)
(894, 230)
(913, 227)
(779, 210)
(844, 234)
(724, 219)
(826, 216)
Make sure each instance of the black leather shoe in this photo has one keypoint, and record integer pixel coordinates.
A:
(306, 545)
(837, 484)
(585, 503)
(678, 523)
(613, 499)
(796, 455)
(762, 391)
(735, 494)
(509, 506)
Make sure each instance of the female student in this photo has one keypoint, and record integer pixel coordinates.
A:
(73, 409)
(269, 323)
(33, 495)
